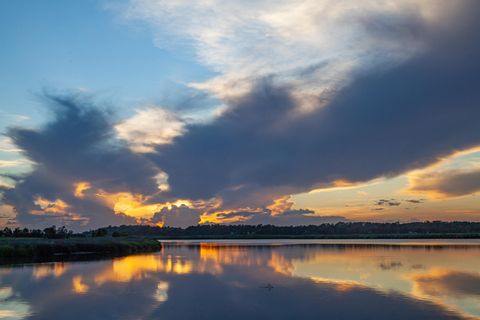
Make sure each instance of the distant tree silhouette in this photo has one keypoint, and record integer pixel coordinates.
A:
(102, 232)
(364, 229)
(342, 229)
(50, 232)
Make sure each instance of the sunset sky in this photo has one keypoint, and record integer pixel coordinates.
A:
(283, 112)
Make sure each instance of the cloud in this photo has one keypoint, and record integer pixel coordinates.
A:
(266, 216)
(313, 45)
(76, 149)
(316, 94)
(382, 124)
(415, 201)
(13, 163)
(177, 216)
(445, 184)
(7, 146)
(387, 202)
(150, 127)
(294, 217)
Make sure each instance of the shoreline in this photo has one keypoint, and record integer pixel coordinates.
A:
(400, 236)
(39, 249)
(24, 250)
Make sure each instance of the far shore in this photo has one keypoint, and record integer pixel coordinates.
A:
(412, 236)
(14, 250)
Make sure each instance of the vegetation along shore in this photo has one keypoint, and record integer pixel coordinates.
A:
(54, 243)
(69, 246)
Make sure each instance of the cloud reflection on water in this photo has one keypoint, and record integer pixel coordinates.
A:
(209, 281)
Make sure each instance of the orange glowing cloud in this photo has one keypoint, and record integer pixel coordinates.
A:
(339, 285)
(280, 205)
(55, 206)
(342, 183)
(80, 188)
(136, 205)
(222, 216)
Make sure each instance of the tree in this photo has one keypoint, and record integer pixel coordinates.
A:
(50, 232)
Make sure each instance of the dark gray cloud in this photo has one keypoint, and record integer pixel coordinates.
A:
(451, 183)
(384, 123)
(382, 204)
(78, 144)
(177, 216)
(387, 202)
(415, 201)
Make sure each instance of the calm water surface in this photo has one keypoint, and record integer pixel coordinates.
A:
(276, 279)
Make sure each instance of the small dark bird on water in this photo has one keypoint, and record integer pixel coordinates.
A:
(269, 287)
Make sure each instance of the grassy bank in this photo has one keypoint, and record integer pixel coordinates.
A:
(37, 249)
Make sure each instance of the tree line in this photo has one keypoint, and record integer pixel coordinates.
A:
(326, 229)
(221, 230)
(50, 233)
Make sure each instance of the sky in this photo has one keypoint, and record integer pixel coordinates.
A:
(174, 113)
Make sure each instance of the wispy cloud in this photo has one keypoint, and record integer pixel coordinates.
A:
(14, 163)
(312, 45)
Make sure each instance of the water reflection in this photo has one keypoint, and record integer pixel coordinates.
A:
(55, 269)
(78, 286)
(11, 307)
(231, 280)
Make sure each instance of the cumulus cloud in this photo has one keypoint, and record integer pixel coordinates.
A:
(177, 216)
(383, 87)
(150, 127)
(383, 124)
(77, 148)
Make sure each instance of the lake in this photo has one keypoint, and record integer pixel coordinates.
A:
(255, 279)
